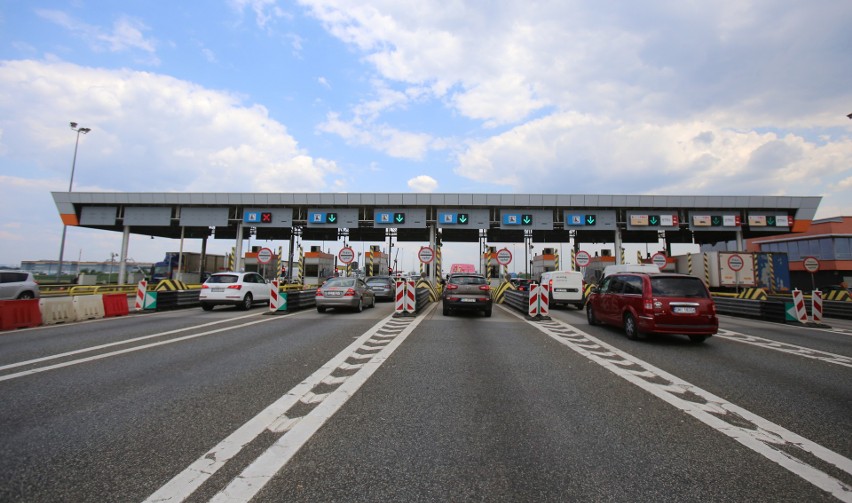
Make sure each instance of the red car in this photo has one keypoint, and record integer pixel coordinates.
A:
(654, 304)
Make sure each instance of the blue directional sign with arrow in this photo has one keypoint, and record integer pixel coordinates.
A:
(578, 219)
(413, 218)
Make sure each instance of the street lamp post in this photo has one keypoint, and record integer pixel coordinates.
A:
(79, 130)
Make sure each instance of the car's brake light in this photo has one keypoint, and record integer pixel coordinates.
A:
(712, 308)
(484, 288)
(452, 287)
(319, 292)
(349, 293)
(204, 287)
(235, 287)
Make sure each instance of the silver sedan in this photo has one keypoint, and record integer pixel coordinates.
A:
(351, 293)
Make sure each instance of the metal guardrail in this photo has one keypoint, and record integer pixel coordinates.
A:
(301, 299)
(177, 299)
(422, 298)
(517, 299)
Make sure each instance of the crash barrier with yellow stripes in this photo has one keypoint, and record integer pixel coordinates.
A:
(753, 294)
(498, 294)
(434, 295)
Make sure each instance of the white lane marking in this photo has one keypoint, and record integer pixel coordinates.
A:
(786, 348)
(774, 442)
(274, 418)
(133, 349)
(119, 343)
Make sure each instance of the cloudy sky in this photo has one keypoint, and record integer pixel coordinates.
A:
(510, 96)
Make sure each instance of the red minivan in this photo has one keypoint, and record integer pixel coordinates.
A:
(654, 304)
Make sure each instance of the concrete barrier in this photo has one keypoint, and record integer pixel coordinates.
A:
(57, 310)
(89, 307)
(23, 313)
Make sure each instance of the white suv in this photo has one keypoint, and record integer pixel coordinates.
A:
(241, 289)
(18, 285)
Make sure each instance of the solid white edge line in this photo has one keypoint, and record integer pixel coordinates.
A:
(118, 343)
(246, 485)
(182, 485)
(835, 487)
(39, 370)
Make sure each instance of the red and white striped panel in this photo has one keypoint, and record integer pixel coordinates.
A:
(816, 305)
(799, 304)
(274, 296)
(400, 297)
(141, 288)
(535, 293)
(410, 297)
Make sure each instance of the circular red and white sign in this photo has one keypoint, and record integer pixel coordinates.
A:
(659, 260)
(264, 256)
(346, 255)
(426, 254)
(736, 262)
(811, 264)
(504, 257)
(582, 259)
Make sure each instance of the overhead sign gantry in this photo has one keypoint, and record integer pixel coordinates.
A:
(551, 218)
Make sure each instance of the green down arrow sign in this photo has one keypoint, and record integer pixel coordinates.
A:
(526, 219)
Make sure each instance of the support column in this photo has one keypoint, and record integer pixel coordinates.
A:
(433, 232)
(238, 248)
(180, 255)
(617, 246)
(122, 265)
(740, 244)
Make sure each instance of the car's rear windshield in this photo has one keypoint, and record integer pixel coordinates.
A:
(378, 280)
(467, 280)
(340, 282)
(678, 287)
(223, 278)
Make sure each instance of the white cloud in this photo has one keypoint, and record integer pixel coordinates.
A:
(423, 183)
(150, 133)
(126, 35)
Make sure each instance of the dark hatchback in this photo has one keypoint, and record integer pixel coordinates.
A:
(654, 304)
(466, 292)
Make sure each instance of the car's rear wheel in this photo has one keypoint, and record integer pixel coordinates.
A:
(488, 313)
(247, 302)
(207, 307)
(446, 311)
(321, 309)
(698, 339)
(360, 306)
(26, 296)
(590, 315)
(630, 328)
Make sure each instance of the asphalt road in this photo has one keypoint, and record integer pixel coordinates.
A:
(342, 406)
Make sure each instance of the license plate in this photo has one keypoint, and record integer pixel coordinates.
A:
(468, 300)
(684, 310)
(560, 289)
(334, 294)
(217, 290)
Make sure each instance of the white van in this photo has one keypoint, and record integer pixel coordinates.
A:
(566, 287)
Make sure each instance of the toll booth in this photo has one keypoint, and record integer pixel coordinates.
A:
(544, 262)
(376, 262)
(318, 266)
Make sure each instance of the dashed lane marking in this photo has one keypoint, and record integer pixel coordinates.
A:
(786, 348)
(789, 450)
(287, 416)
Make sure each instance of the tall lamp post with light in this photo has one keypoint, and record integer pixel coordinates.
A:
(83, 130)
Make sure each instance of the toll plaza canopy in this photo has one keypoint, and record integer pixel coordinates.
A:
(500, 218)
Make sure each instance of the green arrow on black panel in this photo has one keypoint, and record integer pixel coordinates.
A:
(399, 218)
(462, 219)
(526, 219)
(331, 218)
(590, 219)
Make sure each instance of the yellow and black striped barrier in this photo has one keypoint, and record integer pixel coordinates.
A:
(753, 294)
(497, 295)
(169, 285)
(433, 292)
(837, 296)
